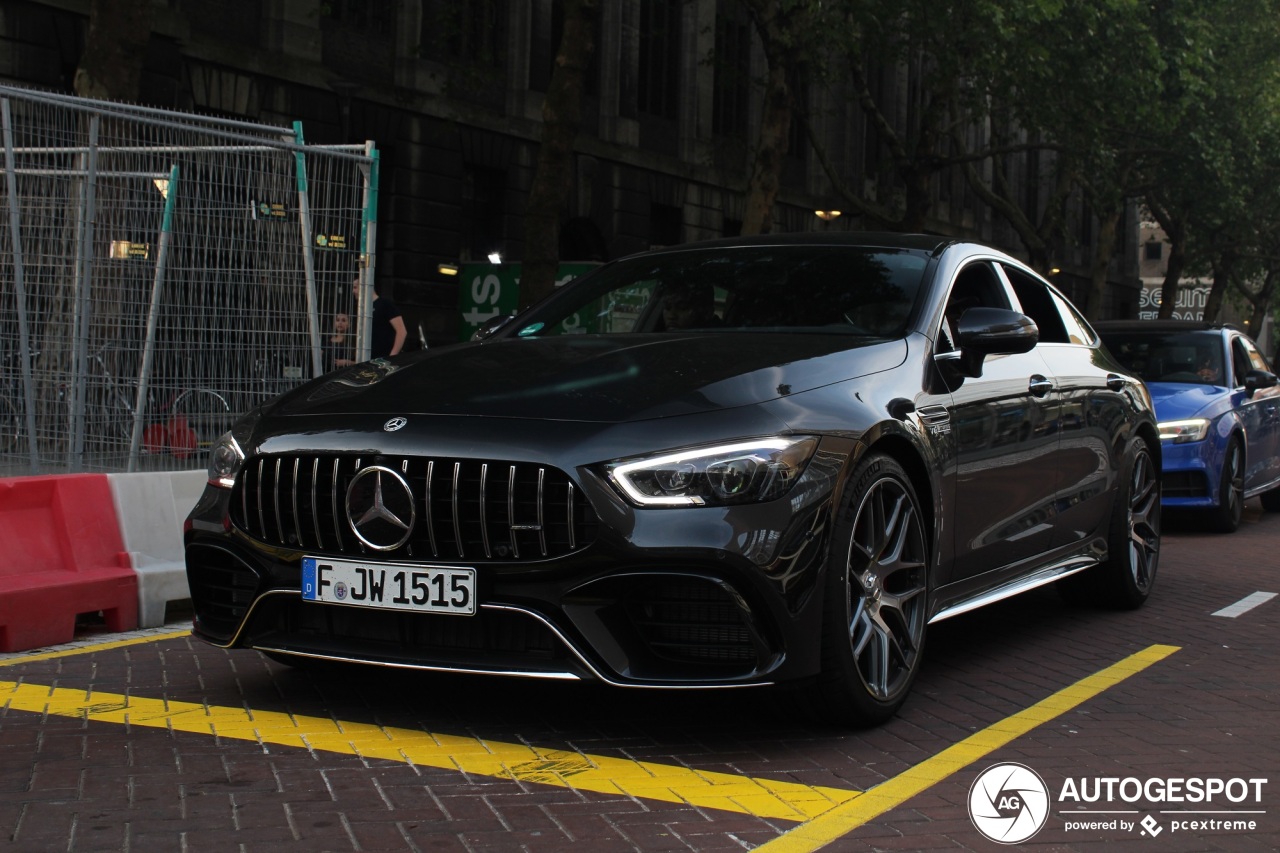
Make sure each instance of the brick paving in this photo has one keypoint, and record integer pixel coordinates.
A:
(1209, 709)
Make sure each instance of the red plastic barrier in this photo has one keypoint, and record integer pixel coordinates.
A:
(61, 555)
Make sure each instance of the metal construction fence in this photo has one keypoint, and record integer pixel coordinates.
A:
(162, 273)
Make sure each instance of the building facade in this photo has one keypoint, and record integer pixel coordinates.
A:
(451, 92)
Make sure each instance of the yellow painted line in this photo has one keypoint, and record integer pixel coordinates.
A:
(606, 775)
(96, 647)
(845, 818)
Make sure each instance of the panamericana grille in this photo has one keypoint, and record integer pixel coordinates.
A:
(467, 510)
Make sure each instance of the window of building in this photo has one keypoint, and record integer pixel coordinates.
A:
(666, 225)
(470, 30)
(1152, 250)
(659, 72)
(372, 18)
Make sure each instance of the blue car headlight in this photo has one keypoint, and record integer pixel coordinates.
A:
(1183, 432)
(748, 471)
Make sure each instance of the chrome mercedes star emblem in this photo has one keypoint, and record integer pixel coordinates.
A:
(394, 424)
(380, 508)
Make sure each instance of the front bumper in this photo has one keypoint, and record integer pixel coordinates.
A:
(1191, 473)
(659, 598)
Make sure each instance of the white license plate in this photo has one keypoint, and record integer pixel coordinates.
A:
(427, 589)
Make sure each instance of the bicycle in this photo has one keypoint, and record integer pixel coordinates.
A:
(181, 419)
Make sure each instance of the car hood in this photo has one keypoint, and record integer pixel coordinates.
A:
(607, 379)
(1181, 400)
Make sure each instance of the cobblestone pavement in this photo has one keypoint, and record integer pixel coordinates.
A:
(155, 742)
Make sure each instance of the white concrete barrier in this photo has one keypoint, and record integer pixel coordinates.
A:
(151, 507)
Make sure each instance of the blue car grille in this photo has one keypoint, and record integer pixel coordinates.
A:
(1184, 484)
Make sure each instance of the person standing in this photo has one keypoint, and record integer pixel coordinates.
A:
(389, 333)
(340, 349)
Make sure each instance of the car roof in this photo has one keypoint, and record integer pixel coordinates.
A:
(1103, 326)
(931, 243)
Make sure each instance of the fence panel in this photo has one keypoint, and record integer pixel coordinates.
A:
(162, 274)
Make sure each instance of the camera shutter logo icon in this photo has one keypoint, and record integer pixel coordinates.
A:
(1009, 803)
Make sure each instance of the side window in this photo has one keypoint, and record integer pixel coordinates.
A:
(1037, 303)
(1241, 363)
(1256, 358)
(1078, 331)
(977, 285)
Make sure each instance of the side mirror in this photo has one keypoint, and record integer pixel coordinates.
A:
(488, 327)
(981, 332)
(1256, 380)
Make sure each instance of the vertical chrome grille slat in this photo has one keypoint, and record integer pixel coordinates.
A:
(568, 504)
(457, 525)
(333, 502)
(542, 527)
(297, 518)
(511, 512)
(315, 508)
(275, 489)
(262, 513)
(484, 510)
(431, 523)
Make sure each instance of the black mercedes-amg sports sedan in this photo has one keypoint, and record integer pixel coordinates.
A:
(735, 463)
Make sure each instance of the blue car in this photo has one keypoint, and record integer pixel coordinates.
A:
(1219, 411)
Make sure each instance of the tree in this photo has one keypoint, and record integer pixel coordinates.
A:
(114, 50)
(553, 178)
(785, 29)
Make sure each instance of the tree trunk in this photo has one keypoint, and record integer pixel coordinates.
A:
(771, 151)
(1262, 308)
(553, 178)
(114, 50)
(1222, 271)
(1108, 225)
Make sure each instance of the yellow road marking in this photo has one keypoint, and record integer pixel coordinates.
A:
(97, 647)
(830, 813)
(618, 776)
(843, 819)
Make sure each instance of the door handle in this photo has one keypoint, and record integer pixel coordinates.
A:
(1115, 382)
(1039, 385)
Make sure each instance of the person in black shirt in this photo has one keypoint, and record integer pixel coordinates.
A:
(389, 332)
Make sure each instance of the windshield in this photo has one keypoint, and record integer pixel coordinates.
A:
(1170, 357)
(810, 289)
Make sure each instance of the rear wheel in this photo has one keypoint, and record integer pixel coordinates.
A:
(1133, 543)
(876, 598)
(1229, 512)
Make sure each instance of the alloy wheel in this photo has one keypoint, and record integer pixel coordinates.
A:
(886, 589)
(1144, 521)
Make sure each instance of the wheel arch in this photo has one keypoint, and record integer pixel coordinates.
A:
(905, 452)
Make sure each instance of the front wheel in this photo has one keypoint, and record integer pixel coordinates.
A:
(876, 597)
(1229, 512)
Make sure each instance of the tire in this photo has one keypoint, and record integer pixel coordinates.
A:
(1229, 512)
(1125, 580)
(1271, 500)
(876, 598)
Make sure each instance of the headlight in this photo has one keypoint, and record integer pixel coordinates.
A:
(226, 457)
(743, 472)
(1182, 432)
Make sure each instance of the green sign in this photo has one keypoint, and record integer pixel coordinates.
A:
(490, 290)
